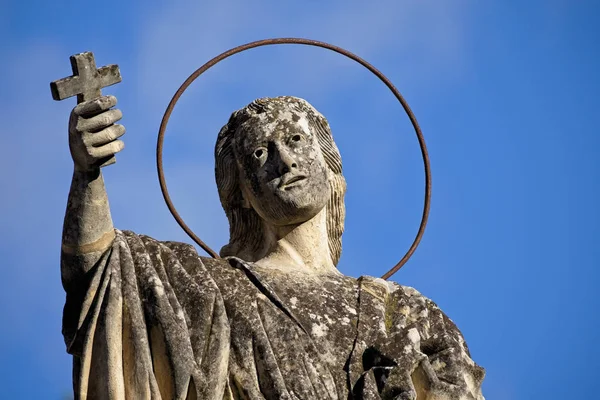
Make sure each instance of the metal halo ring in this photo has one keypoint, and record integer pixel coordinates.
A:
(308, 42)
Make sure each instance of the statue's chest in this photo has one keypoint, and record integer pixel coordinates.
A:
(326, 308)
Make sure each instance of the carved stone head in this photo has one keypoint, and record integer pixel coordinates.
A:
(277, 164)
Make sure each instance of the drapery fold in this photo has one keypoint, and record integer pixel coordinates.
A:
(153, 320)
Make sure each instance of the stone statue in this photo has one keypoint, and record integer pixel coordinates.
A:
(272, 319)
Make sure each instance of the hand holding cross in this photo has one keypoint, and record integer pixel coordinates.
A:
(92, 128)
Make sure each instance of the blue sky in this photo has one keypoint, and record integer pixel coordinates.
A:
(505, 93)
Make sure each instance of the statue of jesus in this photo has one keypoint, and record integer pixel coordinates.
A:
(272, 319)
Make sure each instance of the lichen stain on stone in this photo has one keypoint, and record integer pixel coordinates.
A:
(274, 334)
(413, 336)
(319, 330)
(438, 365)
(294, 301)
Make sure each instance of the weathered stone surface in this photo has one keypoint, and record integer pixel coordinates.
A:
(290, 174)
(86, 83)
(274, 319)
(158, 321)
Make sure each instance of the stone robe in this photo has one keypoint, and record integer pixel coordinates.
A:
(153, 320)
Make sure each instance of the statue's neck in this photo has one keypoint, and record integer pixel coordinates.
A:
(302, 247)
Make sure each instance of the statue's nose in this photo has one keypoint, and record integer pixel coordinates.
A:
(286, 161)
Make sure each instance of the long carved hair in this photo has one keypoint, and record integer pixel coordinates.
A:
(246, 231)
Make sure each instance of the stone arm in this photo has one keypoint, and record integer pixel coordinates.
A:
(88, 229)
(448, 372)
(428, 353)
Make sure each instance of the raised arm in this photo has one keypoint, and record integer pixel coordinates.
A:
(88, 229)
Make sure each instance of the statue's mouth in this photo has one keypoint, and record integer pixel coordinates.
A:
(290, 182)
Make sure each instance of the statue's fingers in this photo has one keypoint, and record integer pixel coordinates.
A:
(99, 122)
(105, 136)
(96, 106)
(107, 150)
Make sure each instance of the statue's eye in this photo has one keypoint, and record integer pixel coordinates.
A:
(296, 138)
(259, 153)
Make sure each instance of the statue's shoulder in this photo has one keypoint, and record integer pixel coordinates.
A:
(424, 311)
(188, 257)
(185, 253)
(403, 299)
(407, 292)
(391, 289)
(414, 299)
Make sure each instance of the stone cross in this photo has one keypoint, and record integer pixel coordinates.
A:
(86, 82)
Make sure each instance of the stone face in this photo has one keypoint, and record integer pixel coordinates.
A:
(274, 319)
(277, 165)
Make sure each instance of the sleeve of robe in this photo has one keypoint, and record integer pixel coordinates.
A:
(447, 370)
(420, 353)
(127, 325)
